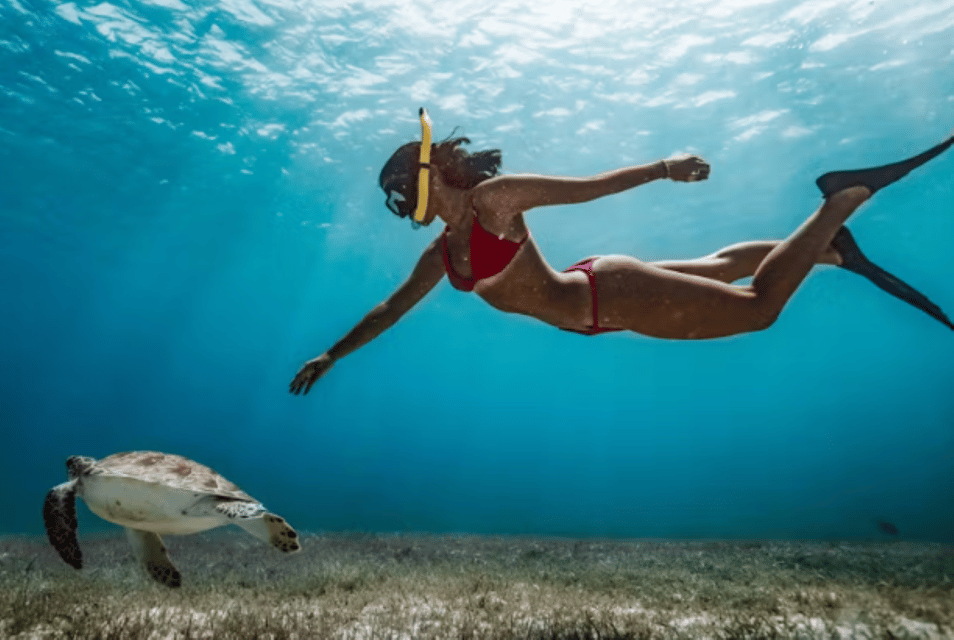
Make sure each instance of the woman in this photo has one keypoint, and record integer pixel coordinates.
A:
(486, 248)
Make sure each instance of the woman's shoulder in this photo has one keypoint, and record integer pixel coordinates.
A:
(499, 195)
(495, 203)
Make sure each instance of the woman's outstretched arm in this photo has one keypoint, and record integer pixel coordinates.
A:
(519, 193)
(426, 275)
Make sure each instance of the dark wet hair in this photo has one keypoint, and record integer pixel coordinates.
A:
(459, 168)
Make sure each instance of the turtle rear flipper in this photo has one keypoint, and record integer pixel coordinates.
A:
(260, 523)
(151, 553)
(59, 516)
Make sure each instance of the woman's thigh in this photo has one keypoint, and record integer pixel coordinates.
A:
(658, 302)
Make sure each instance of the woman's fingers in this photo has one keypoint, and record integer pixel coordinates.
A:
(700, 173)
(304, 379)
(691, 169)
(309, 374)
(295, 386)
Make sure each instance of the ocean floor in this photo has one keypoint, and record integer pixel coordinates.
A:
(362, 586)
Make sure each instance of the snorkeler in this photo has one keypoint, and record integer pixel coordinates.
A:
(486, 248)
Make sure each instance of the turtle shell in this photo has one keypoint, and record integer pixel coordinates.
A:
(169, 470)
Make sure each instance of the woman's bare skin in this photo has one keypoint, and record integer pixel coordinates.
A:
(691, 299)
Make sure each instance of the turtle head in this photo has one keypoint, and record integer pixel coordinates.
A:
(78, 465)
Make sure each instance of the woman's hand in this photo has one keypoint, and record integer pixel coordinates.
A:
(310, 373)
(687, 169)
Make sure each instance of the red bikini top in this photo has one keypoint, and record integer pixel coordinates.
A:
(489, 255)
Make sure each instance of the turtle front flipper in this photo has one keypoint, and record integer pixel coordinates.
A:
(59, 516)
(151, 553)
(260, 523)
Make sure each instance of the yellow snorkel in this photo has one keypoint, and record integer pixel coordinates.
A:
(424, 177)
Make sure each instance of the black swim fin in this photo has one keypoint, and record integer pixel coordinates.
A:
(855, 261)
(877, 177)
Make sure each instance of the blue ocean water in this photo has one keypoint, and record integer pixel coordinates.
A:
(189, 210)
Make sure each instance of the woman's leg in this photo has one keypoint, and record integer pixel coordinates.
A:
(667, 303)
(670, 304)
(786, 265)
(735, 262)
(741, 261)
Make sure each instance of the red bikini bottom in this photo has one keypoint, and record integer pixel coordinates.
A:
(586, 266)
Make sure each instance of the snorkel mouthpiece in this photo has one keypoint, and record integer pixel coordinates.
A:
(424, 161)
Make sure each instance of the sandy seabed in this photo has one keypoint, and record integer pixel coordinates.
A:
(363, 587)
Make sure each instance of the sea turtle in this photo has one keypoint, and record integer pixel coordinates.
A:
(150, 494)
